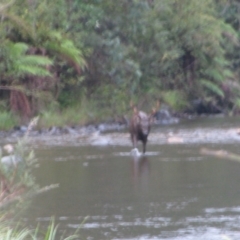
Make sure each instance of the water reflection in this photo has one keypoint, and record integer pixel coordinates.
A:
(140, 168)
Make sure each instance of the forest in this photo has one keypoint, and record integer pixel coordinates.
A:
(73, 62)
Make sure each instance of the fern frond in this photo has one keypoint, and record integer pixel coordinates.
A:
(27, 64)
(212, 87)
(227, 73)
(21, 24)
(17, 49)
(66, 49)
(68, 52)
(214, 74)
(36, 60)
(33, 70)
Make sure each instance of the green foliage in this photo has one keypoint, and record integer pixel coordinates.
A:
(66, 49)
(214, 88)
(75, 115)
(15, 63)
(35, 52)
(20, 64)
(7, 120)
(165, 46)
(7, 233)
(12, 234)
(175, 99)
(17, 185)
(24, 160)
(17, 181)
(122, 50)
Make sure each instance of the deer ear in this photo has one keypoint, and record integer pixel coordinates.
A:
(150, 118)
(135, 111)
(152, 115)
(155, 109)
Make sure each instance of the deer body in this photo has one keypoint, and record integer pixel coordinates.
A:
(140, 126)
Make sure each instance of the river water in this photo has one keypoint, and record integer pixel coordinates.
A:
(173, 192)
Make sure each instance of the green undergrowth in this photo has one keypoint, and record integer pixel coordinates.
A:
(71, 116)
(77, 114)
(17, 233)
(8, 120)
(18, 186)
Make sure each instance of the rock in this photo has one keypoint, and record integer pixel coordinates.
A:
(8, 148)
(10, 160)
(163, 116)
(54, 131)
(103, 127)
(69, 130)
(175, 140)
(99, 140)
(23, 129)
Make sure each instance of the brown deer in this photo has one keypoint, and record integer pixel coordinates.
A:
(140, 126)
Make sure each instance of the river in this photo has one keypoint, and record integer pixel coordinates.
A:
(173, 192)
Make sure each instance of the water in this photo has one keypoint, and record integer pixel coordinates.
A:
(172, 193)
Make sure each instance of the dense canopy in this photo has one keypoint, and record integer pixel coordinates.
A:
(57, 54)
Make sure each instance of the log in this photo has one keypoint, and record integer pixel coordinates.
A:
(221, 154)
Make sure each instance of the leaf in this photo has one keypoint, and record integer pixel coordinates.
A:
(33, 70)
(237, 102)
(36, 60)
(214, 74)
(21, 24)
(22, 64)
(66, 49)
(212, 87)
(176, 99)
(3, 7)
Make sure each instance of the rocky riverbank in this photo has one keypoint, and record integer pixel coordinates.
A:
(73, 133)
(170, 130)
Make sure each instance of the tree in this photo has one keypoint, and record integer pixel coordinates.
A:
(160, 49)
(35, 26)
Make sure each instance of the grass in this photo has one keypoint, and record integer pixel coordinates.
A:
(7, 120)
(71, 116)
(7, 233)
(78, 114)
(16, 188)
(54, 115)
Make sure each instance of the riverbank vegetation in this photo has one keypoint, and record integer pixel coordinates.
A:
(17, 186)
(94, 57)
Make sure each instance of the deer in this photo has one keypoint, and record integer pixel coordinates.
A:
(140, 126)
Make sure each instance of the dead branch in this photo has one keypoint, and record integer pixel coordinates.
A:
(220, 154)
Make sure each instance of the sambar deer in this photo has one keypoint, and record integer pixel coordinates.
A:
(140, 126)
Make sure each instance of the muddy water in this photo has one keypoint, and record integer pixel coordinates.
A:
(171, 193)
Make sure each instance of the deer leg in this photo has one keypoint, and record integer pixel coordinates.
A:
(144, 145)
(134, 140)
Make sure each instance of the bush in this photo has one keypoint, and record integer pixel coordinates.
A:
(7, 120)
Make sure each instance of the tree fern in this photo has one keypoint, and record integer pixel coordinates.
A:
(66, 50)
(21, 64)
(20, 24)
(49, 39)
